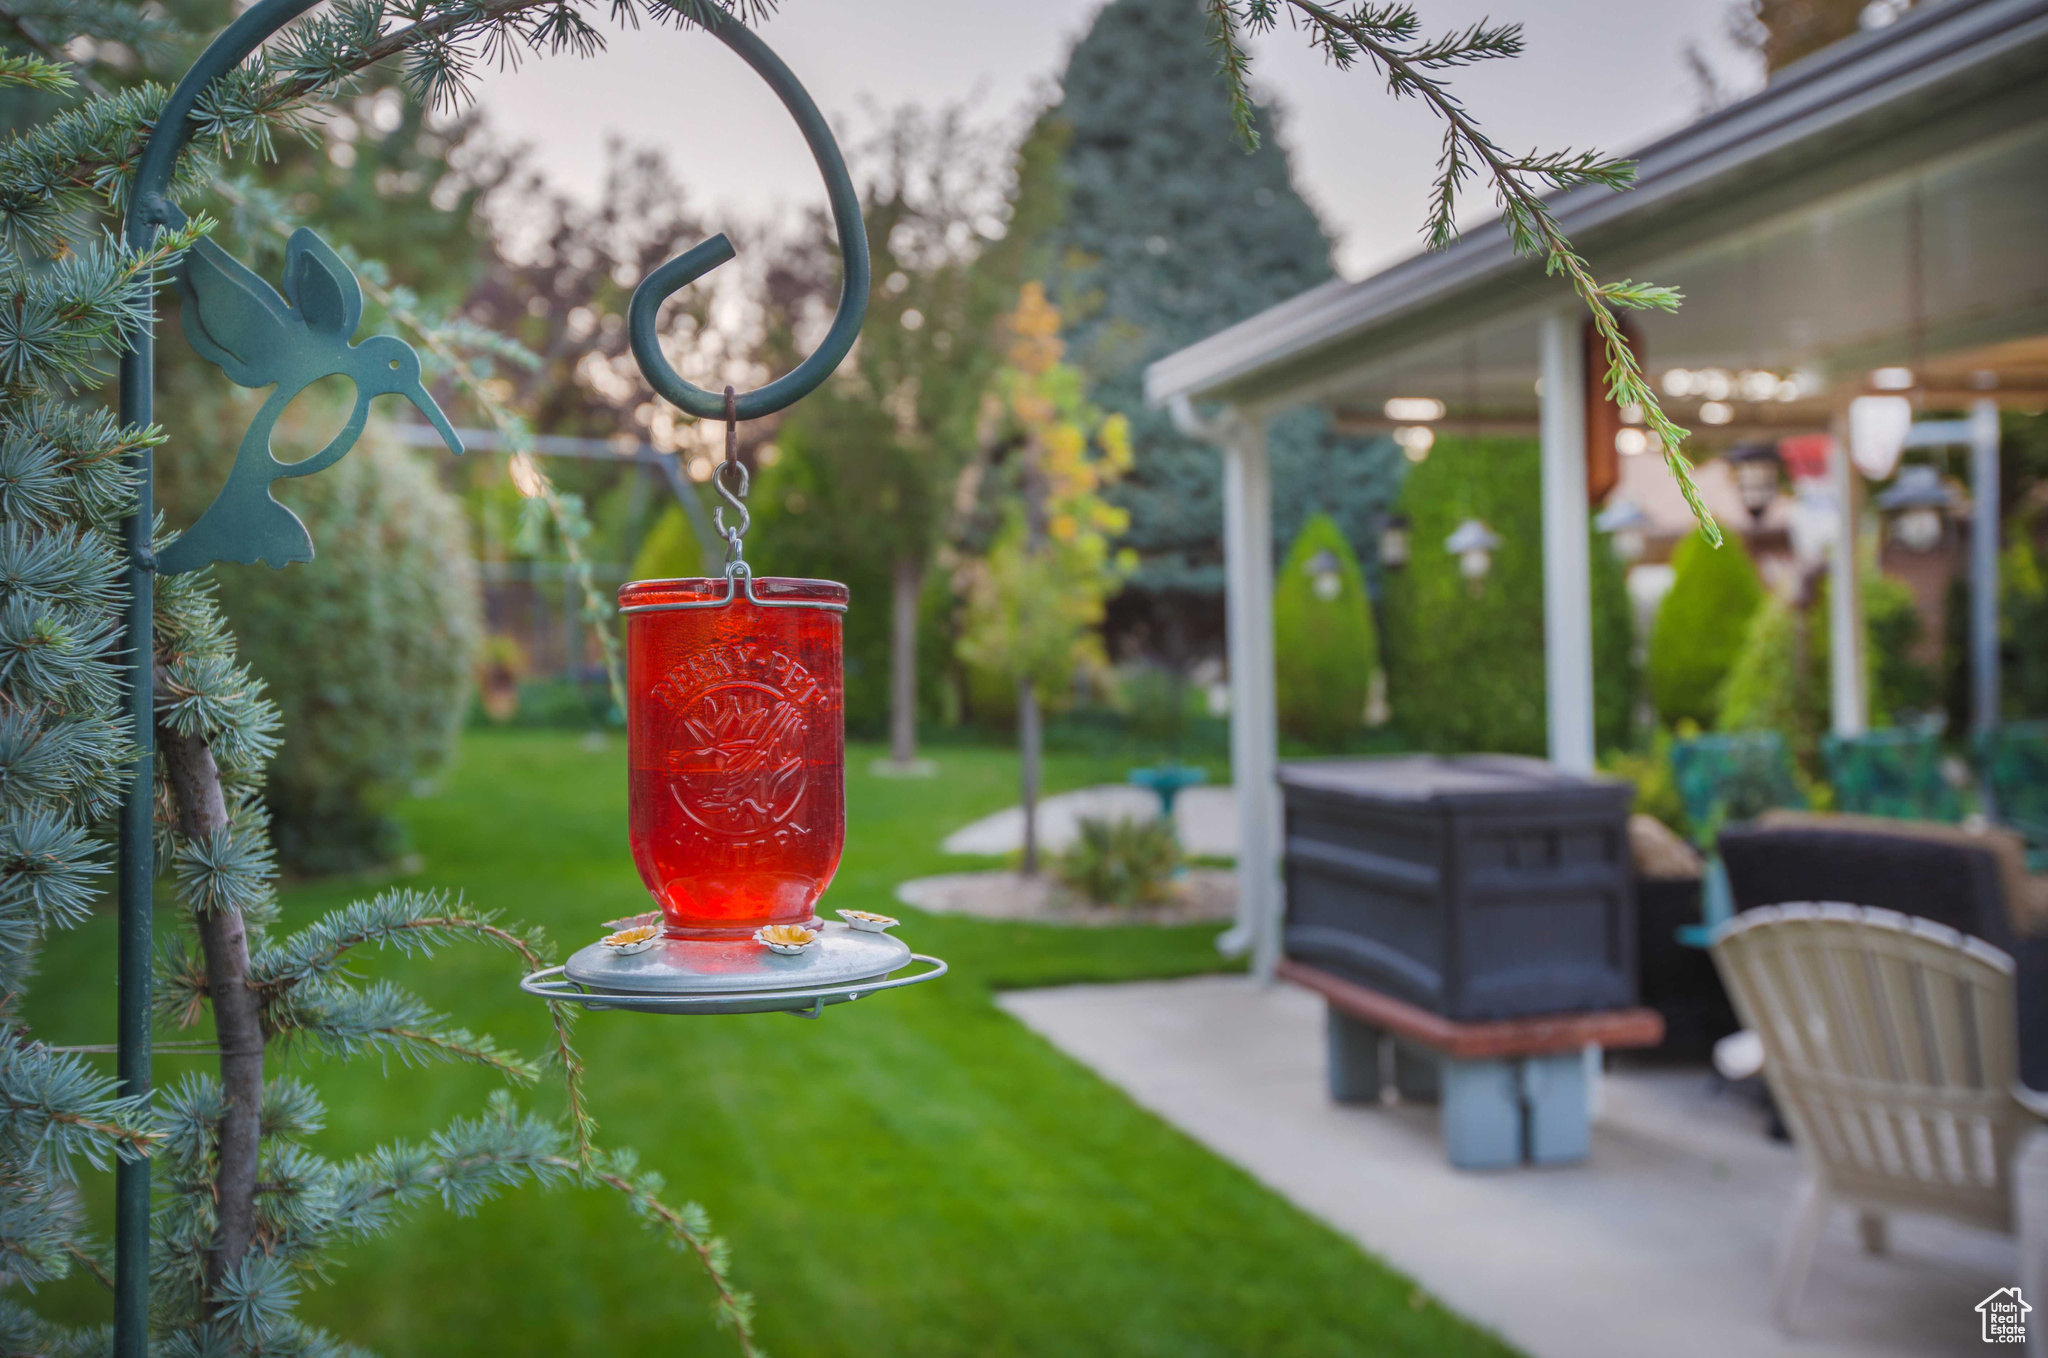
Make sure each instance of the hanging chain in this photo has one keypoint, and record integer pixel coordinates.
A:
(733, 494)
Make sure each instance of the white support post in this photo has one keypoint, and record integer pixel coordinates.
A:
(1254, 720)
(1567, 571)
(1848, 700)
(1984, 521)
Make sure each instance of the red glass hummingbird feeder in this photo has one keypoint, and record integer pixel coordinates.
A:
(734, 714)
(735, 741)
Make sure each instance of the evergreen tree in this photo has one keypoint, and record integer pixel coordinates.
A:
(1166, 233)
(247, 1210)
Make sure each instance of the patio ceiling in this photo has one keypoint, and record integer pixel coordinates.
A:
(1883, 203)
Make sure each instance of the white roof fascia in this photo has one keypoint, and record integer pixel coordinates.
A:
(1811, 102)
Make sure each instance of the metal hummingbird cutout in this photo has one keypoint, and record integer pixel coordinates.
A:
(239, 323)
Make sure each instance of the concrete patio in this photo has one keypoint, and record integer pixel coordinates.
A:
(1204, 817)
(1662, 1244)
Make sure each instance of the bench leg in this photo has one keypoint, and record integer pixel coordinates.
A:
(1353, 1048)
(1554, 1088)
(1417, 1073)
(1482, 1114)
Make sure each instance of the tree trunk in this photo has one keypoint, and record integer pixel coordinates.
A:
(1029, 745)
(237, 1018)
(908, 584)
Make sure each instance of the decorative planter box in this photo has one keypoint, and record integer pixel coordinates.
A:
(1476, 887)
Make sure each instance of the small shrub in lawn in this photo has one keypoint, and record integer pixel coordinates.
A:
(1121, 862)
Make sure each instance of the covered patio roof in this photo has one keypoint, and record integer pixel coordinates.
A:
(1879, 203)
(1882, 204)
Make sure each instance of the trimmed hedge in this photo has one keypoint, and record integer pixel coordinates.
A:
(1465, 669)
(1326, 649)
(1701, 627)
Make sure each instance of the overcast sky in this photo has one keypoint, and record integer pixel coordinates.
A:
(1602, 73)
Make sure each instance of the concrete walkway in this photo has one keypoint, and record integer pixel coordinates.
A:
(1205, 818)
(1662, 1244)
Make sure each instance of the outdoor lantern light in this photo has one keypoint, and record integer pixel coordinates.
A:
(1919, 504)
(1410, 409)
(1394, 542)
(1474, 545)
(1626, 524)
(1878, 426)
(1325, 576)
(1416, 440)
(1756, 467)
(1814, 523)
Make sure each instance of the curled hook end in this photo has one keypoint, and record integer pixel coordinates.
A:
(671, 278)
(695, 263)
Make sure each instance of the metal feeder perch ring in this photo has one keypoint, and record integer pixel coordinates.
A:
(734, 976)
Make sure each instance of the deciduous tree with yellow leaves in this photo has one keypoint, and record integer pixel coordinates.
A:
(1034, 601)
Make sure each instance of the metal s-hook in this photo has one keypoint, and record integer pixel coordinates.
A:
(732, 495)
(694, 263)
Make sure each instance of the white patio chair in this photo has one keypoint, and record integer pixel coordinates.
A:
(1889, 1044)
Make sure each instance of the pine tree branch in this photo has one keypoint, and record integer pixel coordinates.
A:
(90, 1264)
(688, 1229)
(1378, 33)
(56, 56)
(237, 1014)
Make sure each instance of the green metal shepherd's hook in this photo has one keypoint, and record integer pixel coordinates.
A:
(693, 264)
(259, 338)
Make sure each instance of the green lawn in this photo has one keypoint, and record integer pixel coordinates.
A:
(913, 1174)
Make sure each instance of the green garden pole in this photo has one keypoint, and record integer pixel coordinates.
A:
(237, 321)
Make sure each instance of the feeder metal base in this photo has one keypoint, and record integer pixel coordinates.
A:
(691, 966)
(733, 976)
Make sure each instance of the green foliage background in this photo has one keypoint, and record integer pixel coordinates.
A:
(1700, 628)
(1325, 649)
(1763, 690)
(368, 649)
(820, 511)
(669, 551)
(1465, 671)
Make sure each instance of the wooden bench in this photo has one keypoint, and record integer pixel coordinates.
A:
(1513, 1091)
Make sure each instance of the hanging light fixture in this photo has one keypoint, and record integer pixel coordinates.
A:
(1474, 545)
(1756, 467)
(1918, 504)
(1325, 575)
(1878, 426)
(1394, 542)
(1627, 527)
(1416, 440)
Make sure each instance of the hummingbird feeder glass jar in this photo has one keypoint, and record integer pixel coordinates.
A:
(737, 748)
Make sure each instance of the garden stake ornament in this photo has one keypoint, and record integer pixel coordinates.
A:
(736, 731)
